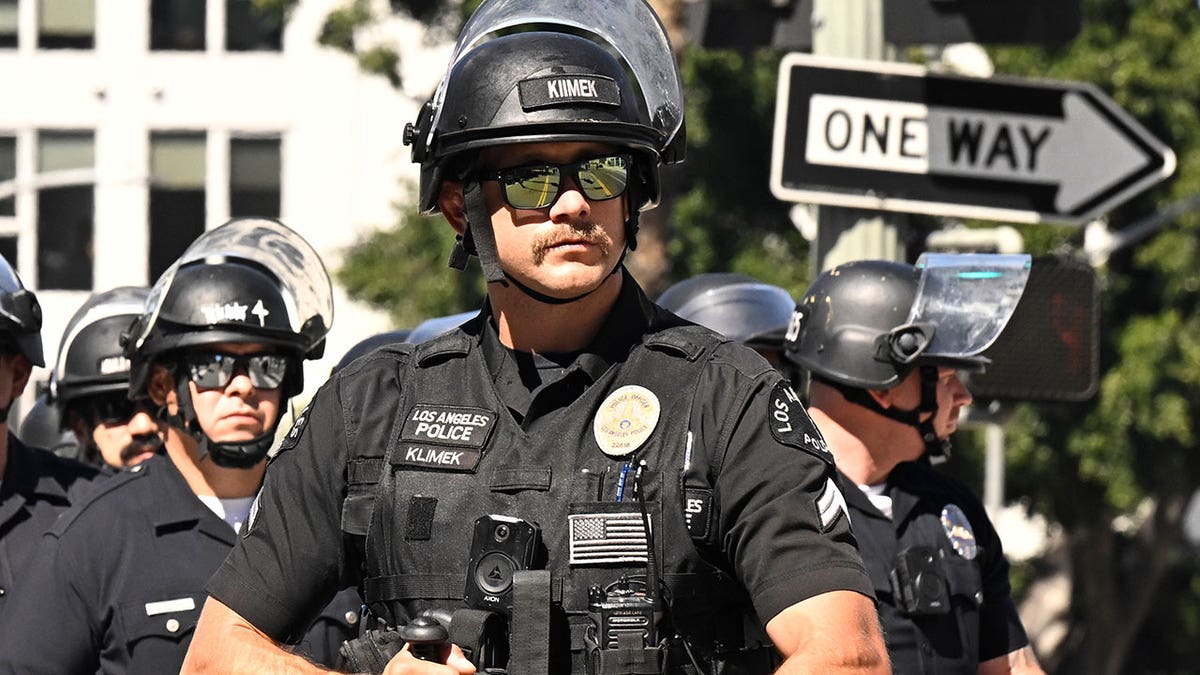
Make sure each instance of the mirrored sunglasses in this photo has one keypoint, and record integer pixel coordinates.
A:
(213, 370)
(536, 186)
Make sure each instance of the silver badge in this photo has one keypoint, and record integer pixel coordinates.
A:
(625, 420)
(958, 531)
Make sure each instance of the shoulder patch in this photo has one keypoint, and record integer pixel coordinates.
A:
(791, 425)
(297, 430)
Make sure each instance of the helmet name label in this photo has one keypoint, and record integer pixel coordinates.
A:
(230, 311)
(553, 90)
(112, 365)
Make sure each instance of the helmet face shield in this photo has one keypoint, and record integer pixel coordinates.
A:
(306, 289)
(629, 28)
(968, 299)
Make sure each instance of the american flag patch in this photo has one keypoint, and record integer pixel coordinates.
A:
(607, 538)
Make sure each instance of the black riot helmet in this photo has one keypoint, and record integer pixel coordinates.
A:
(550, 70)
(737, 306)
(91, 359)
(868, 324)
(248, 281)
(20, 316)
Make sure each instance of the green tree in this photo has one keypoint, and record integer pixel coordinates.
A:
(1117, 472)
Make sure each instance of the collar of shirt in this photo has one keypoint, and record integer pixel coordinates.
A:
(627, 322)
(177, 504)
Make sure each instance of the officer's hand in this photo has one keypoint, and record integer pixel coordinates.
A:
(405, 663)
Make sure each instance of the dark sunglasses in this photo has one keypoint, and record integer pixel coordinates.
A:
(213, 370)
(112, 409)
(536, 186)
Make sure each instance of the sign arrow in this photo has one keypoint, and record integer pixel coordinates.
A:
(893, 137)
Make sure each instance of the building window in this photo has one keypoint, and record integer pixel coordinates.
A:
(177, 170)
(8, 249)
(254, 177)
(8, 24)
(65, 211)
(8, 175)
(66, 24)
(248, 28)
(177, 25)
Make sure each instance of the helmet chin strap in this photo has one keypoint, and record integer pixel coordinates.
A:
(937, 450)
(481, 241)
(238, 455)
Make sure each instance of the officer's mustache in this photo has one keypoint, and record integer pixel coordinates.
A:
(140, 444)
(588, 232)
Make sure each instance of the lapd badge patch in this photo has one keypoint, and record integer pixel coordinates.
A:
(443, 437)
(625, 420)
(791, 425)
(959, 532)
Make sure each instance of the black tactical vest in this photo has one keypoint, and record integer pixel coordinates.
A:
(457, 454)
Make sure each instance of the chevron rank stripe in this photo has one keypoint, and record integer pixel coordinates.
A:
(606, 538)
(830, 504)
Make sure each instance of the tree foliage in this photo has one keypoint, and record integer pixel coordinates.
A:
(1117, 472)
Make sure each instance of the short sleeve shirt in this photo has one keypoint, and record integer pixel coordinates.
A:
(764, 486)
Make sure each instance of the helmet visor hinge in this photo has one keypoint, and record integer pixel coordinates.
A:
(903, 344)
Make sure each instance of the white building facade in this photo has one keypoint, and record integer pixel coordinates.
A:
(128, 127)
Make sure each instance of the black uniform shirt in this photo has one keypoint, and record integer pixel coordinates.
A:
(120, 582)
(37, 486)
(983, 623)
(768, 526)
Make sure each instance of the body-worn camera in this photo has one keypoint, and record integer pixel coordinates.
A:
(500, 546)
(918, 582)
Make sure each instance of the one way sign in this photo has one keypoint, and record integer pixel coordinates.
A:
(895, 137)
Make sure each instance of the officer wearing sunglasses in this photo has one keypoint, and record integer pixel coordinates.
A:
(90, 384)
(215, 351)
(571, 401)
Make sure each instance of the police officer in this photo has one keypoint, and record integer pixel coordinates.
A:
(884, 343)
(218, 348)
(90, 384)
(35, 485)
(505, 472)
(737, 306)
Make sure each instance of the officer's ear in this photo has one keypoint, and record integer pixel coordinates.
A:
(21, 369)
(883, 397)
(453, 206)
(161, 385)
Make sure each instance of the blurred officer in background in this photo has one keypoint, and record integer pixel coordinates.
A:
(218, 349)
(506, 471)
(369, 344)
(438, 325)
(35, 485)
(884, 343)
(737, 306)
(90, 384)
(42, 427)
